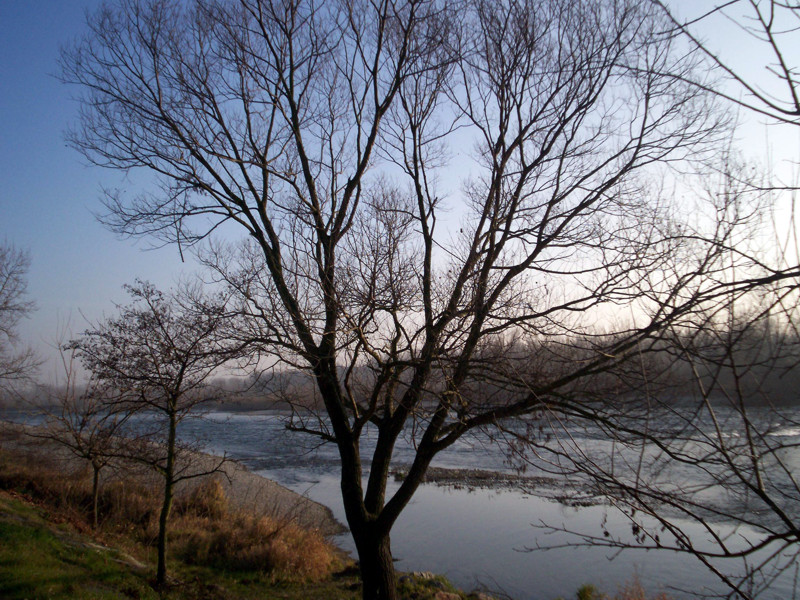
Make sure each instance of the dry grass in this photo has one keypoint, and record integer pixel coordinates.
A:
(203, 529)
(632, 590)
(65, 492)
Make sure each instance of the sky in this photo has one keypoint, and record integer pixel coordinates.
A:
(49, 195)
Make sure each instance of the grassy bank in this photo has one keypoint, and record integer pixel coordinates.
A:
(49, 550)
(43, 559)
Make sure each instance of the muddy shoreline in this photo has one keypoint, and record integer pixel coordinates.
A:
(553, 488)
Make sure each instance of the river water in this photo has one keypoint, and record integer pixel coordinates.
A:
(488, 538)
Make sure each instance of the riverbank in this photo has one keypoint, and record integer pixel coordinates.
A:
(50, 549)
(232, 535)
(245, 490)
(44, 555)
(222, 544)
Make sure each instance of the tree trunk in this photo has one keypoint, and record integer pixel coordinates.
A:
(169, 474)
(161, 573)
(375, 563)
(95, 494)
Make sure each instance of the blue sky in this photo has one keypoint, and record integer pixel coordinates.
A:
(48, 193)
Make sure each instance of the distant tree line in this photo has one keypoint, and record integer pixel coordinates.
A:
(611, 253)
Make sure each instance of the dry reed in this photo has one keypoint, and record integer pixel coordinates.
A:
(203, 528)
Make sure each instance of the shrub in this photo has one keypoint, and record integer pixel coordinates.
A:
(241, 541)
(129, 506)
(206, 500)
(589, 592)
(204, 530)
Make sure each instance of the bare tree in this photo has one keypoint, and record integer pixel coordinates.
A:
(709, 470)
(773, 25)
(325, 133)
(82, 418)
(16, 365)
(156, 357)
(740, 353)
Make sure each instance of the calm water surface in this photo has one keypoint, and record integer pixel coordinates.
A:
(480, 537)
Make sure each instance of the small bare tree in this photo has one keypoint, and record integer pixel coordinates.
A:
(16, 365)
(84, 418)
(156, 357)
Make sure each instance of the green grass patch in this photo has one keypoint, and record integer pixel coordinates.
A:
(39, 560)
(43, 560)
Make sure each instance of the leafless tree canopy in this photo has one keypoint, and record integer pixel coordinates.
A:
(16, 364)
(152, 361)
(159, 349)
(402, 189)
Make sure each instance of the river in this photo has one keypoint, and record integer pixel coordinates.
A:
(485, 537)
(489, 537)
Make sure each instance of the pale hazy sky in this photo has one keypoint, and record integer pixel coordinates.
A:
(48, 195)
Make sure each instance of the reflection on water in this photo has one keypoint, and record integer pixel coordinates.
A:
(482, 538)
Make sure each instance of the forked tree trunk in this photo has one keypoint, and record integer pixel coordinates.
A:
(372, 538)
(370, 534)
(375, 563)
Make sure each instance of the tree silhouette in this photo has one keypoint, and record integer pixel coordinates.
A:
(327, 135)
(16, 366)
(155, 358)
